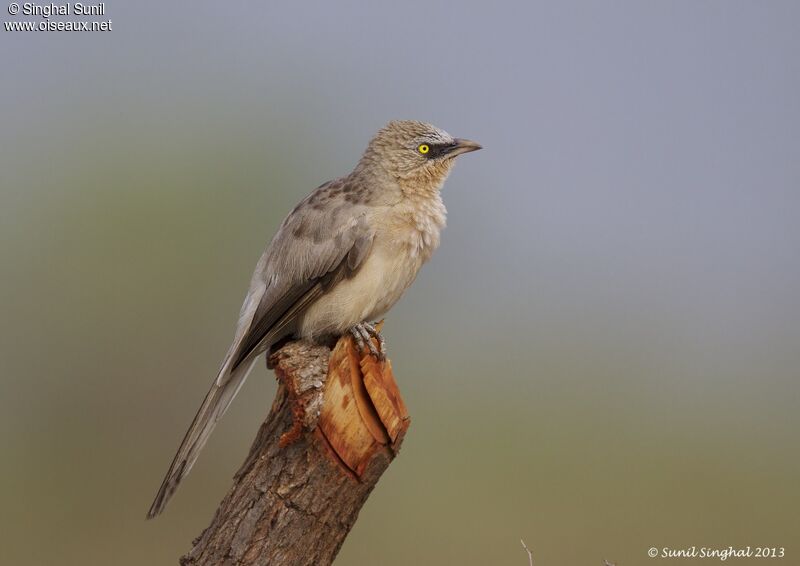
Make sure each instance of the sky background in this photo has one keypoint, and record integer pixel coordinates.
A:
(602, 357)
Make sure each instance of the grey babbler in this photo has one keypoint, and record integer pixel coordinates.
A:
(339, 260)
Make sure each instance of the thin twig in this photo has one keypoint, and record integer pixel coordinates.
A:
(530, 554)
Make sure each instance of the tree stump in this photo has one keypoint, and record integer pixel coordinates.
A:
(336, 424)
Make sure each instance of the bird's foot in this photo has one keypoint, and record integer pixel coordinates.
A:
(364, 332)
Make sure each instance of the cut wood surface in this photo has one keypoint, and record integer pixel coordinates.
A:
(336, 424)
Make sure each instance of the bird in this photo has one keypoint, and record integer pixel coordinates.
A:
(340, 260)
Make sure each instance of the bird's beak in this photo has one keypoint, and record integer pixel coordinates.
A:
(463, 145)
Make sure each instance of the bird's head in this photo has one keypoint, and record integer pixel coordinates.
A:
(418, 155)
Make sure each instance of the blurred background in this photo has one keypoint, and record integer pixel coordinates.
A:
(602, 357)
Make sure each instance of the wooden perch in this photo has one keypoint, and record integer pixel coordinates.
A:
(335, 425)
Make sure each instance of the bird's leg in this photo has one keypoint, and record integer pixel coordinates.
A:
(363, 332)
(371, 328)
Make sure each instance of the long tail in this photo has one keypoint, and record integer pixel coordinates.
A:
(217, 401)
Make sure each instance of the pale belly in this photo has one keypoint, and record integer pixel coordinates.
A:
(377, 285)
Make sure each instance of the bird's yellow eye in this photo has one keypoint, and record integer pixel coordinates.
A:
(423, 148)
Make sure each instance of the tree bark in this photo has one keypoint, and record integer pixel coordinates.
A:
(335, 425)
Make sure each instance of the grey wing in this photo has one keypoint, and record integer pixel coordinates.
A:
(314, 248)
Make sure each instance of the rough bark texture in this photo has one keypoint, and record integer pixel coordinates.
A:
(335, 425)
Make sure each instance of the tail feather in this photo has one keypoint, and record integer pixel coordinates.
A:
(217, 400)
(237, 365)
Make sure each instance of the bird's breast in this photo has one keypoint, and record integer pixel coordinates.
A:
(404, 241)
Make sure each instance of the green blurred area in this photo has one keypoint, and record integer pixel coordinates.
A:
(565, 387)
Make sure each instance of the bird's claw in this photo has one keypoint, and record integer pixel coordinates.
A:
(363, 332)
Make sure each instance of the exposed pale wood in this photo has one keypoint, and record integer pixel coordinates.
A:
(335, 425)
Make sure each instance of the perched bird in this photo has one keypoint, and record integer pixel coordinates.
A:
(341, 259)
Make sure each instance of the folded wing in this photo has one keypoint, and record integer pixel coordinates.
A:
(315, 247)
